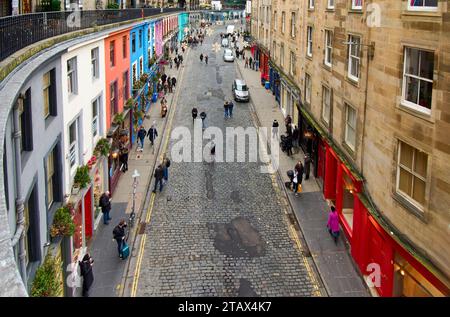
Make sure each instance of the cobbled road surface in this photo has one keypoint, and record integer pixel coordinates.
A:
(218, 229)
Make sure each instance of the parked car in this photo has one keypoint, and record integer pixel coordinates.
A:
(225, 42)
(228, 55)
(240, 90)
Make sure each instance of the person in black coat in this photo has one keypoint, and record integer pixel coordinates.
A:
(119, 236)
(159, 175)
(105, 204)
(174, 82)
(307, 166)
(163, 78)
(289, 145)
(86, 273)
(152, 133)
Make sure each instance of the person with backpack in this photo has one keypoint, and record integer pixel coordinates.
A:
(333, 224)
(119, 236)
(105, 204)
(87, 273)
(141, 137)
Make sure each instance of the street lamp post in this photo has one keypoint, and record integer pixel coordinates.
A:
(135, 182)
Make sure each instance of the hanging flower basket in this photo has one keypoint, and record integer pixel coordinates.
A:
(63, 224)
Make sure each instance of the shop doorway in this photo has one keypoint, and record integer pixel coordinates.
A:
(348, 201)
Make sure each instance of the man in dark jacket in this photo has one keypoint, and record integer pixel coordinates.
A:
(119, 236)
(230, 109)
(307, 165)
(226, 108)
(105, 204)
(152, 133)
(174, 82)
(163, 78)
(159, 175)
(141, 136)
(275, 126)
(86, 273)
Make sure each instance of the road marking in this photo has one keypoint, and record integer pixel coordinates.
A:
(137, 271)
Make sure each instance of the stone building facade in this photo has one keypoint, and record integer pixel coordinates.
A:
(366, 83)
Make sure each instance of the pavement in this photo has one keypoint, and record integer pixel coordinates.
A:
(333, 262)
(108, 267)
(217, 229)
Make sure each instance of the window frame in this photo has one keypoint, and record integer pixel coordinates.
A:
(72, 76)
(133, 42)
(328, 48)
(124, 46)
(112, 53)
(275, 22)
(399, 166)
(293, 25)
(283, 22)
(357, 7)
(309, 41)
(308, 89)
(324, 119)
(351, 146)
(95, 119)
(330, 7)
(404, 101)
(95, 69)
(422, 8)
(125, 85)
(311, 5)
(75, 146)
(282, 55)
(46, 91)
(50, 198)
(351, 57)
(113, 103)
(292, 62)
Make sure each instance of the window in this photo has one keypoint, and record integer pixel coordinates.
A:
(330, 4)
(411, 173)
(328, 48)
(73, 144)
(49, 93)
(326, 104)
(113, 98)
(311, 4)
(140, 38)
(25, 122)
(293, 24)
(124, 46)
(354, 57)
(308, 89)
(267, 14)
(95, 117)
(282, 55)
(133, 42)
(125, 86)
(283, 20)
(72, 84)
(134, 73)
(141, 66)
(309, 43)
(50, 177)
(357, 4)
(422, 5)
(112, 57)
(292, 70)
(418, 79)
(275, 22)
(94, 63)
(350, 127)
(274, 50)
(26, 229)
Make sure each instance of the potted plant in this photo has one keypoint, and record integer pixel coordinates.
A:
(103, 147)
(129, 103)
(82, 177)
(63, 224)
(118, 119)
(46, 282)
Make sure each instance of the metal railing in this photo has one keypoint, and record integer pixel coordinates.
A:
(17, 32)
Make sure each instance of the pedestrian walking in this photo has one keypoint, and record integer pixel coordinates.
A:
(175, 60)
(87, 273)
(288, 122)
(237, 53)
(152, 134)
(250, 62)
(170, 62)
(194, 114)
(141, 137)
(300, 171)
(174, 82)
(163, 110)
(180, 58)
(105, 204)
(226, 109)
(295, 183)
(119, 236)
(169, 83)
(333, 224)
(178, 64)
(203, 117)
(159, 175)
(230, 108)
(246, 63)
(201, 57)
(176, 50)
(163, 78)
(206, 59)
(275, 126)
(123, 156)
(182, 49)
(289, 145)
(307, 165)
(165, 165)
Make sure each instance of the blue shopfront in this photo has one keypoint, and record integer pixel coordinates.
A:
(275, 83)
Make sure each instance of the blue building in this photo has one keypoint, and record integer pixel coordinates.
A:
(183, 21)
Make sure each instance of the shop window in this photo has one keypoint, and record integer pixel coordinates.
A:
(408, 282)
(348, 200)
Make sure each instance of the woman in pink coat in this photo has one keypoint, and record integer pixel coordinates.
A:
(333, 224)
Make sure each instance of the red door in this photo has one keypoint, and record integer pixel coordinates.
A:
(88, 213)
(381, 253)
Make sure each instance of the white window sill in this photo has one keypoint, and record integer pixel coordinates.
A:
(416, 108)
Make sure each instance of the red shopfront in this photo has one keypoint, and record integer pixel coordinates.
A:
(401, 274)
(264, 66)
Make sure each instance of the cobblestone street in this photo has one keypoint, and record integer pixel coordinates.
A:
(219, 229)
